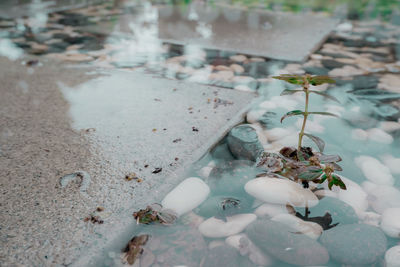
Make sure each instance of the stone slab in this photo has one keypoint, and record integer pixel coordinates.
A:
(58, 119)
(277, 35)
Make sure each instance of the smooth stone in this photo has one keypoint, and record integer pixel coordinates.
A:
(390, 222)
(246, 248)
(236, 68)
(222, 255)
(354, 195)
(360, 82)
(277, 133)
(238, 58)
(278, 239)
(331, 64)
(280, 191)
(346, 71)
(354, 243)
(344, 27)
(392, 163)
(382, 197)
(254, 115)
(270, 210)
(310, 229)
(392, 257)
(371, 218)
(374, 170)
(380, 136)
(390, 126)
(340, 211)
(242, 87)
(314, 70)
(243, 142)
(216, 228)
(359, 134)
(186, 196)
(213, 206)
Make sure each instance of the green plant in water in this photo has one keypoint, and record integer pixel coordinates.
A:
(302, 163)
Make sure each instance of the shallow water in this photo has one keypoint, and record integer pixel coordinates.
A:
(368, 125)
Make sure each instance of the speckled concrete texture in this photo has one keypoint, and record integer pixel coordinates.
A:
(56, 119)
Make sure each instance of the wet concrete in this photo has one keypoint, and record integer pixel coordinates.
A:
(276, 35)
(57, 120)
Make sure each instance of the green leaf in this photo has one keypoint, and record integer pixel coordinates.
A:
(292, 113)
(325, 95)
(290, 92)
(311, 173)
(323, 113)
(323, 178)
(293, 79)
(318, 141)
(337, 181)
(330, 184)
(318, 80)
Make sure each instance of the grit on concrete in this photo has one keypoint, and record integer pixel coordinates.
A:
(46, 113)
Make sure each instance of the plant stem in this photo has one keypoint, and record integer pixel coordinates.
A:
(301, 134)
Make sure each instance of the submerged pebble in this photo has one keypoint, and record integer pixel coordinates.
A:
(354, 243)
(374, 170)
(390, 223)
(243, 142)
(382, 197)
(279, 240)
(216, 228)
(392, 257)
(310, 229)
(246, 248)
(186, 196)
(280, 191)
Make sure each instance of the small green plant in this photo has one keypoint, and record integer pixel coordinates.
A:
(302, 163)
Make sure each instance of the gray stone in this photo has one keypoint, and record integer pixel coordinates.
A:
(332, 64)
(360, 82)
(243, 142)
(340, 211)
(316, 70)
(223, 255)
(280, 241)
(355, 243)
(268, 34)
(222, 152)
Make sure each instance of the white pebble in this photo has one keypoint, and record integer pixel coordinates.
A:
(392, 163)
(382, 197)
(238, 58)
(236, 68)
(359, 134)
(390, 222)
(216, 228)
(310, 229)
(392, 257)
(277, 133)
(280, 191)
(268, 105)
(270, 210)
(379, 135)
(186, 196)
(374, 170)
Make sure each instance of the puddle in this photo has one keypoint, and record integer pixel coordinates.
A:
(227, 216)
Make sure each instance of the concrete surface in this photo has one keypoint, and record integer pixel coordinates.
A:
(56, 119)
(269, 34)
